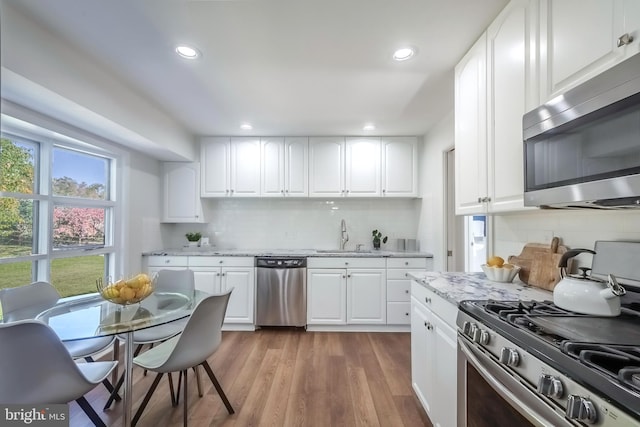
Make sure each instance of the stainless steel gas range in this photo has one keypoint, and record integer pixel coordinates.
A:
(533, 363)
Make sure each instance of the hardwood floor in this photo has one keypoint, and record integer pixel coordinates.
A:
(286, 377)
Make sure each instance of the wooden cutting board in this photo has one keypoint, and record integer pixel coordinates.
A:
(538, 263)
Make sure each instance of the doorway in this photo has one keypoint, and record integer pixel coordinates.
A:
(454, 225)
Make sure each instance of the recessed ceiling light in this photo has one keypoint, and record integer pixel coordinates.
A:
(246, 126)
(187, 52)
(369, 126)
(404, 53)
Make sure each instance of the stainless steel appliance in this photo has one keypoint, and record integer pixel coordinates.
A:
(534, 363)
(582, 148)
(281, 298)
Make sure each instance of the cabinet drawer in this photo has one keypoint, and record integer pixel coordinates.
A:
(398, 274)
(446, 310)
(398, 290)
(398, 313)
(221, 261)
(420, 263)
(332, 262)
(167, 261)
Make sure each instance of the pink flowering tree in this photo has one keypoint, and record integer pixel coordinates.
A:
(78, 226)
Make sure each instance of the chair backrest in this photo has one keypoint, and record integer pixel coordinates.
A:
(182, 281)
(201, 335)
(36, 367)
(25, 302)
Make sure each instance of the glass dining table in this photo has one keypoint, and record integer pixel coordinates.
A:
(91, 316)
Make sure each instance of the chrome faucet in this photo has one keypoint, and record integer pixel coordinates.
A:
(345, 236)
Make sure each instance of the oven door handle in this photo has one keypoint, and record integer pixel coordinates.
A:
(540, 413)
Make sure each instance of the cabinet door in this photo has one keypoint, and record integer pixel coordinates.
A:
(366, 297)
(273, 167)
(245, 167)
(207, 279)
(181, 193)
(470, 130)
(421, 362)
(215, 154)
(507, 65)
(296, 163)
(241, 302)
(326, 297)
(444, 355)
(326, 166)
(582, 39)
(400, 166)
(362, 167)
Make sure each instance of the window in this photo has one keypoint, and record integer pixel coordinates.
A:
(57, 211)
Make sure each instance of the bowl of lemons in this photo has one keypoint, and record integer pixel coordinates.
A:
(497, 270)
(126, 291)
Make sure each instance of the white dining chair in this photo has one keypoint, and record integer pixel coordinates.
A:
(27, 301)
(199, 340)
(26, 378)
(181, 281)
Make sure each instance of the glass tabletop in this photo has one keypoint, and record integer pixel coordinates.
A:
(95, 317)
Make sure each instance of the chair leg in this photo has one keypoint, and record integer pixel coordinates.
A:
(184, 409)
(195, 370)
(147, 396)
(174, 402)
(178, 388)
(114, 394)
(88, 409)
(216, 384)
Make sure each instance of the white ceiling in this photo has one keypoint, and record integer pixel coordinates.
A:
(289, 67)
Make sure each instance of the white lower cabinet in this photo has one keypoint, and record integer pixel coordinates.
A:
(219, 274)
(157, 263)
(346, 291)
(399, 287)
(434, 355)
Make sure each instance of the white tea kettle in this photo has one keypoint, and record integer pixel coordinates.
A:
(585, 294)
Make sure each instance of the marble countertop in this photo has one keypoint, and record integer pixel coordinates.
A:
(456, 287)
(211, 251)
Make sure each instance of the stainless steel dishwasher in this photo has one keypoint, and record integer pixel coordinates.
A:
(281, 298)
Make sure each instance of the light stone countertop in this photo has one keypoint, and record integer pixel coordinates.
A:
(456, 287)
(212, 251)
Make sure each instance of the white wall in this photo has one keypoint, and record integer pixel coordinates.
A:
(298, 224)
(431, 223)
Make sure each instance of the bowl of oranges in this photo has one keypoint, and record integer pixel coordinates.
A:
(126, 291)
(499, 271)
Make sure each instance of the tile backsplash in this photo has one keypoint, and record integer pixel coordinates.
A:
(298, 223)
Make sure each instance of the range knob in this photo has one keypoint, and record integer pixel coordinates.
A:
(582, 409)
(550, 386)
(472, 330)
(481, 336)
(509, 357)
(466, 327)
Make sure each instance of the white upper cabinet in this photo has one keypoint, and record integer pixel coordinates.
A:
(362, 167)
(495, 86)
(230, 167)
(326, 166)
(582, 38)
(471, 130)
(400, 166)
(215, 155)
(285, 167)
(181, 202)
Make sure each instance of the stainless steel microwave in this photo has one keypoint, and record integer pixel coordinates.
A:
(582, 148)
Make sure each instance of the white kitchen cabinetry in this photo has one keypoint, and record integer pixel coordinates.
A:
(340, 167)
(434, 354)
(230, 167)
(582, 38)
(219, 274)
(494, 87)
(399, 287)
(285, 171)
(343, 291)
(181, 201)
(400, 166)
(156, 263)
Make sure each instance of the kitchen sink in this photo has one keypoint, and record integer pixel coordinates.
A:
(341, 251)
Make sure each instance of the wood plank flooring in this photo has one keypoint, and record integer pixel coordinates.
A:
(288, 377)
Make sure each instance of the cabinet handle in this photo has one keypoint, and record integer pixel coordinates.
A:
(346, 191)
(429, 326)
(349, 276)
(427, 300)
(479, 199)
(286, 191)
(625, 39)
(166, 261)
(218, 274)
(231, 191)
(226, 191)
(406, 314)
(220, 262)
(384, 191)
(406, 291)
(222, 274)
(344, 277)
(406, 263)
(282, 191)
(346, 263)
